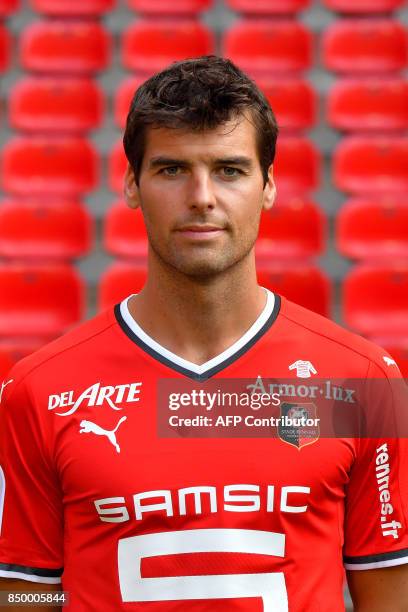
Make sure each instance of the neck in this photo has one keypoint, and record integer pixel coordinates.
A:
(198, 320)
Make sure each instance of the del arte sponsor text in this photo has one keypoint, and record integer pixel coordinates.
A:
(96, 395)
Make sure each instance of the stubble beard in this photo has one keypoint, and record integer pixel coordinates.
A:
(212, 263)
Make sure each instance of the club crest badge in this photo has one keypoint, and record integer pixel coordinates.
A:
(299, 424)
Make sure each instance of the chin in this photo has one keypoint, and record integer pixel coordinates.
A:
(201, 270)
(204, 269)
(204, 266)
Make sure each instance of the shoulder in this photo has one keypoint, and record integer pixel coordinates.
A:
(330, 336)
(69, 349)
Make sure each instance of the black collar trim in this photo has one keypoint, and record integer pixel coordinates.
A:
(215, 369)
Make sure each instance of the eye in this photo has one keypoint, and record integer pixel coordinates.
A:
(170, 170)
(230, 172)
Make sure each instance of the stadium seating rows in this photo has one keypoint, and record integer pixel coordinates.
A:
(39, 301)
(294, 228)
(35, 165)
(95, 8)
(44, 229)
(12, 350)
(183, 7)
(268, 7)
(56, 105)
(375, 299)
(149, 45)
(125, 233)
(267, 46)
(5, 43)
(72, 8)
(81, 46)
(363, 7)
(373, 229)
(67, 104)
(372, 104)
(277, 7)
(41, 165)
(7, 7)
(65, 46)
(170, 7)
(371, 165)
(369, 100)
(369, 46)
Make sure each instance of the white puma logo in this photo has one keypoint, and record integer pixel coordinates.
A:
(389, 361)
(3, 386)
(89, 427)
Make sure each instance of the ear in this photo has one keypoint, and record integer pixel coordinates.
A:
(130, 189)
(269, 194)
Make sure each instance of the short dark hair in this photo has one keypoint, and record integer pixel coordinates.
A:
(198, 94)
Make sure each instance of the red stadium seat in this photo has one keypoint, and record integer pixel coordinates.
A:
(170, 7)
(119, 281)
(65, 47)
(151, 44)
(369, 46)
(7, 7)
(12, 350)
(292, 228)
(5, 44)
(6, 363)
(117, 167)
(375, 299)
(268, 7)
(297, 165)
(72, 8)
(125, 232)
(34, 166)
(123, 98)
(46, 229)
(374, 104)
(266, 46)
(303, 284)
(360, 7)
(46, 104)
(39, 300)
(373, 229)
(293, 101)
(398, 349)
(376, 165)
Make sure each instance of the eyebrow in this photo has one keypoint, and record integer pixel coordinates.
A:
(236, 160)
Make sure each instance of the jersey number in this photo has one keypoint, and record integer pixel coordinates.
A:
(270, 586)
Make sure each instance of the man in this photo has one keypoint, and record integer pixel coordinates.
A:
(98, 499)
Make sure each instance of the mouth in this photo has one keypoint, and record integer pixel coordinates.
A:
(200, 232)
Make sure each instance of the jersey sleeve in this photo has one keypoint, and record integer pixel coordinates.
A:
(376, 528)
(31, 515)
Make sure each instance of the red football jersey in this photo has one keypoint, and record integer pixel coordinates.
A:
(93, 496)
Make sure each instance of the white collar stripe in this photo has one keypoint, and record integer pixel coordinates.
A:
(186, 366)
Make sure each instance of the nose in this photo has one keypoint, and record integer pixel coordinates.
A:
(201, 194)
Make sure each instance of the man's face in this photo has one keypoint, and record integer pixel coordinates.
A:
(201, 195)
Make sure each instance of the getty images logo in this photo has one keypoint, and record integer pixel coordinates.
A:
(96, 395)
